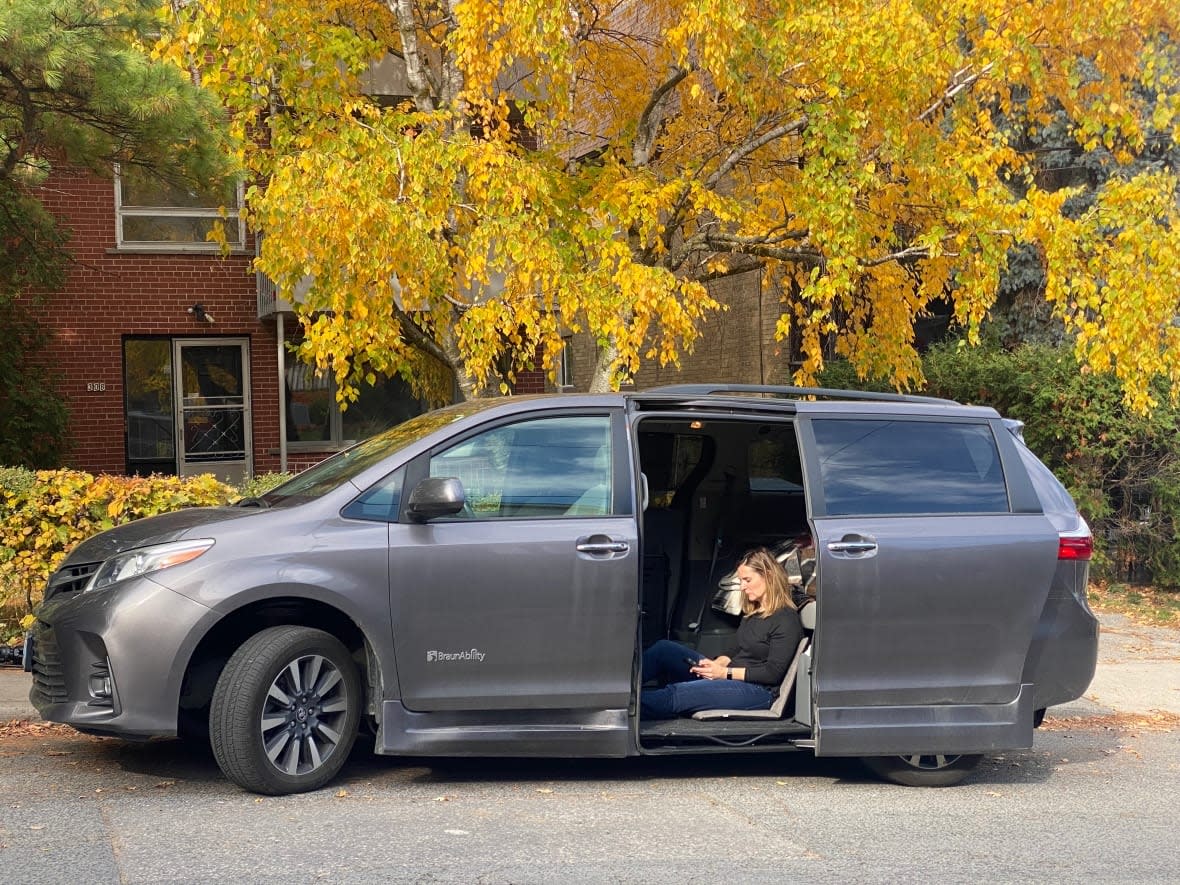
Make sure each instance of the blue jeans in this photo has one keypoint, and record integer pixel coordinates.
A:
(684, 693)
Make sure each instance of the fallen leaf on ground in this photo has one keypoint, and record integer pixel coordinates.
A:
(23, 727)
(1154, 720)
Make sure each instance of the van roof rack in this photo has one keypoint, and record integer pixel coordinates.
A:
(792, 392)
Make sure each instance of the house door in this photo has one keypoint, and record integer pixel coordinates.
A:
(212, 400)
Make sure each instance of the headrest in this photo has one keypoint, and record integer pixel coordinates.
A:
(807, 615)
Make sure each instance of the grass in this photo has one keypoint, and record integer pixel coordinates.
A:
(1141, 603)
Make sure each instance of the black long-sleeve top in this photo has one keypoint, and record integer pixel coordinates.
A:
(765, 646)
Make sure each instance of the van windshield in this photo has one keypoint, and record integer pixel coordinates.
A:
(340, 468)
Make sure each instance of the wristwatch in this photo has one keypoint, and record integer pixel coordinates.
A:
(728, 673)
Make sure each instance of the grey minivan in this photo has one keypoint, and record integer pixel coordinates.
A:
(481, 579)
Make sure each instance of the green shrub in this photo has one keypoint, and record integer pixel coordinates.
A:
(15, 479)
(262, 483)
(45, 518)
(1122, 469)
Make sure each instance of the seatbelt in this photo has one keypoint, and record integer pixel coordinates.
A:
(719, 539)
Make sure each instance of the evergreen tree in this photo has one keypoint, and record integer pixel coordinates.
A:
(78, 86)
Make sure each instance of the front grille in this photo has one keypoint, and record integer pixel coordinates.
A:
(49, 678)
(71, 578)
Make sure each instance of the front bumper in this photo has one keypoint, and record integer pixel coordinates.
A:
(112, 661)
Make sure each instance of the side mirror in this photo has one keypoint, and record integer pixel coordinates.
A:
(436, 496)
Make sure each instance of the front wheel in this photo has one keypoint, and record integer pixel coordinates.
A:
(923, 769)
(285, 711)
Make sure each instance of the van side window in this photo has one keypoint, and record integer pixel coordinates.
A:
(774, 461)
(380, 502)
(668, 459)
(549, 467)
(908, 467)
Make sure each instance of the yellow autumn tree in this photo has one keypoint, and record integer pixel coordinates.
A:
(531, 166)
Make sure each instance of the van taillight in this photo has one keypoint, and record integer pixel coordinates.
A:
(1075, 547)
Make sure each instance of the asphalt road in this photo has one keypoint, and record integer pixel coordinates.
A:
(1095, 800)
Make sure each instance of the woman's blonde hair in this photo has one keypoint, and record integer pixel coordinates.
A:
(778, 587)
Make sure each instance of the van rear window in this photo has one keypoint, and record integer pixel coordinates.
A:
(887, 467)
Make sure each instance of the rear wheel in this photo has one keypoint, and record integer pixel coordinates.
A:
(923, 769)
(285, 711)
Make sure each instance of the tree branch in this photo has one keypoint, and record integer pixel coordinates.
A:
(743, 150)
(961, 80)
(763, 245)
(648, 126)
(417, 337)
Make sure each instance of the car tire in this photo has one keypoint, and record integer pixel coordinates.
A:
(285, 711)
(923, 769)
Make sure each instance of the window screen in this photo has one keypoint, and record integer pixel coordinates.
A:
(906, 467)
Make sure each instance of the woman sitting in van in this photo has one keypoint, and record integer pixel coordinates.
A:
(746, 678)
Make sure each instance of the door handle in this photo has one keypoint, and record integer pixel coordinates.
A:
(853, 544)
(603, 547)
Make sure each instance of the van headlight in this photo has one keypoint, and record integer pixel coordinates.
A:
(145, 560)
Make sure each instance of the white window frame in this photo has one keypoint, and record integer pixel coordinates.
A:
(565, 364)
(232, 216)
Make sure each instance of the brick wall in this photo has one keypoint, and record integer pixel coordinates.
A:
(111, 294)
(736, 346)
(531, 381)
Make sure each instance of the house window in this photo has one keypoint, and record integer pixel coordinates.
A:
(565, 364)
(316, 422)
(153, 214)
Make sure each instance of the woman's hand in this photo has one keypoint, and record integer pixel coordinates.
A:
(708, 669)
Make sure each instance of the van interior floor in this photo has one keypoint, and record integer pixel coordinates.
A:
(732, 732)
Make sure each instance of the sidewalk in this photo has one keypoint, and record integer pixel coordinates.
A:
(14, 694)
(1138, 671)
(1138, 667)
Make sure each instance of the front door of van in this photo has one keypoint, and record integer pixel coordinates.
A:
(929, 586)
(528, 599)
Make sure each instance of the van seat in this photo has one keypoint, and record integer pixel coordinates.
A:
(780, 703)
(807, 616)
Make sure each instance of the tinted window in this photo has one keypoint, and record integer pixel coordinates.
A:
(901, 467)
(1052, 494)
(541, 468)
(774, 461)
(668, 459)
(381, 502)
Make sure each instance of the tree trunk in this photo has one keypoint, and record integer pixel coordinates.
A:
(604, 358)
